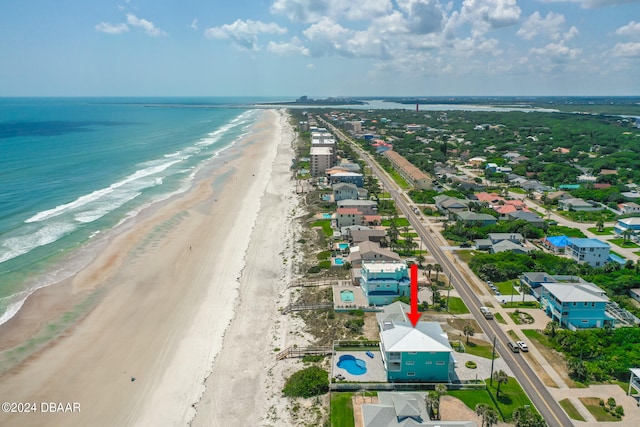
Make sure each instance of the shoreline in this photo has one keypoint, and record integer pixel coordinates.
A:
(140, 355)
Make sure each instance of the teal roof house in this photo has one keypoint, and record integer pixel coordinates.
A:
(382, 282)
(413, 354)
(575, 306)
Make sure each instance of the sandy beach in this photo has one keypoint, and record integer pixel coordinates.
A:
(183, 303)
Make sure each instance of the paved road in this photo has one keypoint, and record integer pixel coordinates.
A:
(532, 385)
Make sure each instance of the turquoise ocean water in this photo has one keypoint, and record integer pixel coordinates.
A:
(74, 168)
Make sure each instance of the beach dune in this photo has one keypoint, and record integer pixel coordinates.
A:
(186, 294)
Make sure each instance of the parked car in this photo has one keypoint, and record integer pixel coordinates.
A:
(522, 345)
(513, 347)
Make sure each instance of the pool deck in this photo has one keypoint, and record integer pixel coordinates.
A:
(359, 301)
(375, 368)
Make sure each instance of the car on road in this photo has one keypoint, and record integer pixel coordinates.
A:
(513, 347)
(498, 293)
(522, 345)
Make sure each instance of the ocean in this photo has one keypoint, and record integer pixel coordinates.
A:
(71, 169)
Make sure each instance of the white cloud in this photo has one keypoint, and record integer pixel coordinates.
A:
(292, 47)
(311, 11)
(631, 29)
(591, 4)
(244, 33)
(423, 16)
(556, 52)
(194, 24)
(105, 27)
(535, 25)
(631, 50)
(311, 66)
(146, 26)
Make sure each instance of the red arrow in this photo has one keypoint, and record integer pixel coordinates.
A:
(414, 316)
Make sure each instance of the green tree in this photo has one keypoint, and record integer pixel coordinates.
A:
(468, 331)
(600, 225)
(308, 382)
(438, 269)
(500, 377)
(420, 258)
(523, 416)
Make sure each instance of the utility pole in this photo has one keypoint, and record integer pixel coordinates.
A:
(448, 291)
(493, 357)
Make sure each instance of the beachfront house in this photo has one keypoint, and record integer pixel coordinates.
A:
(575, 305)
(588, 250)
(370, 252)
(367, 207)
(382, 282)
(413, 354)
(404, 409)
(347, 177)
(344, 191)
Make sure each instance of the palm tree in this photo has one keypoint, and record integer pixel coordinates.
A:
(429, 267)
(626, 236)
(432, 402)
(420, 258)
(468, 331)
(491, 417)
(600, 225)
(502, 378)
(525, 289)
(481, 411)
(524, 417)
(438, 269)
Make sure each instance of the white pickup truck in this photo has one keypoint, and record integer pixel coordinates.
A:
(486, 312)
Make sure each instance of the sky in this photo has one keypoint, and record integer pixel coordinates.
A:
(320, 48)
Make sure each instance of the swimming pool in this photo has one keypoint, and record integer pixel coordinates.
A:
(338, 261)
(343, 246)
(327, 215)
(352, 365)
(346, 296)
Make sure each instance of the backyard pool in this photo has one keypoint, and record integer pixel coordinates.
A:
(339, 261)
(346, 296)
(343, 246)
(352, 365)
(327, 215)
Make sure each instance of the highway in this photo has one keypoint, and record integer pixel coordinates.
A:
(548, 408)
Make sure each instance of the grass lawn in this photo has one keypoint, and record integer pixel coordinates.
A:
(400, 222)
(520, 304)
(506, 288)
(605, 231)
(593, 405)
(478, 349)
(510, 398)
(456, 306)
(342, 410)
(623, 244)
(465, 256)
(499, 318)
(571, 410)
(408, 234)
(398, 179)
(326, 226)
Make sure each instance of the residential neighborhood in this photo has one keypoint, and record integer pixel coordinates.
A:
(373, 243)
